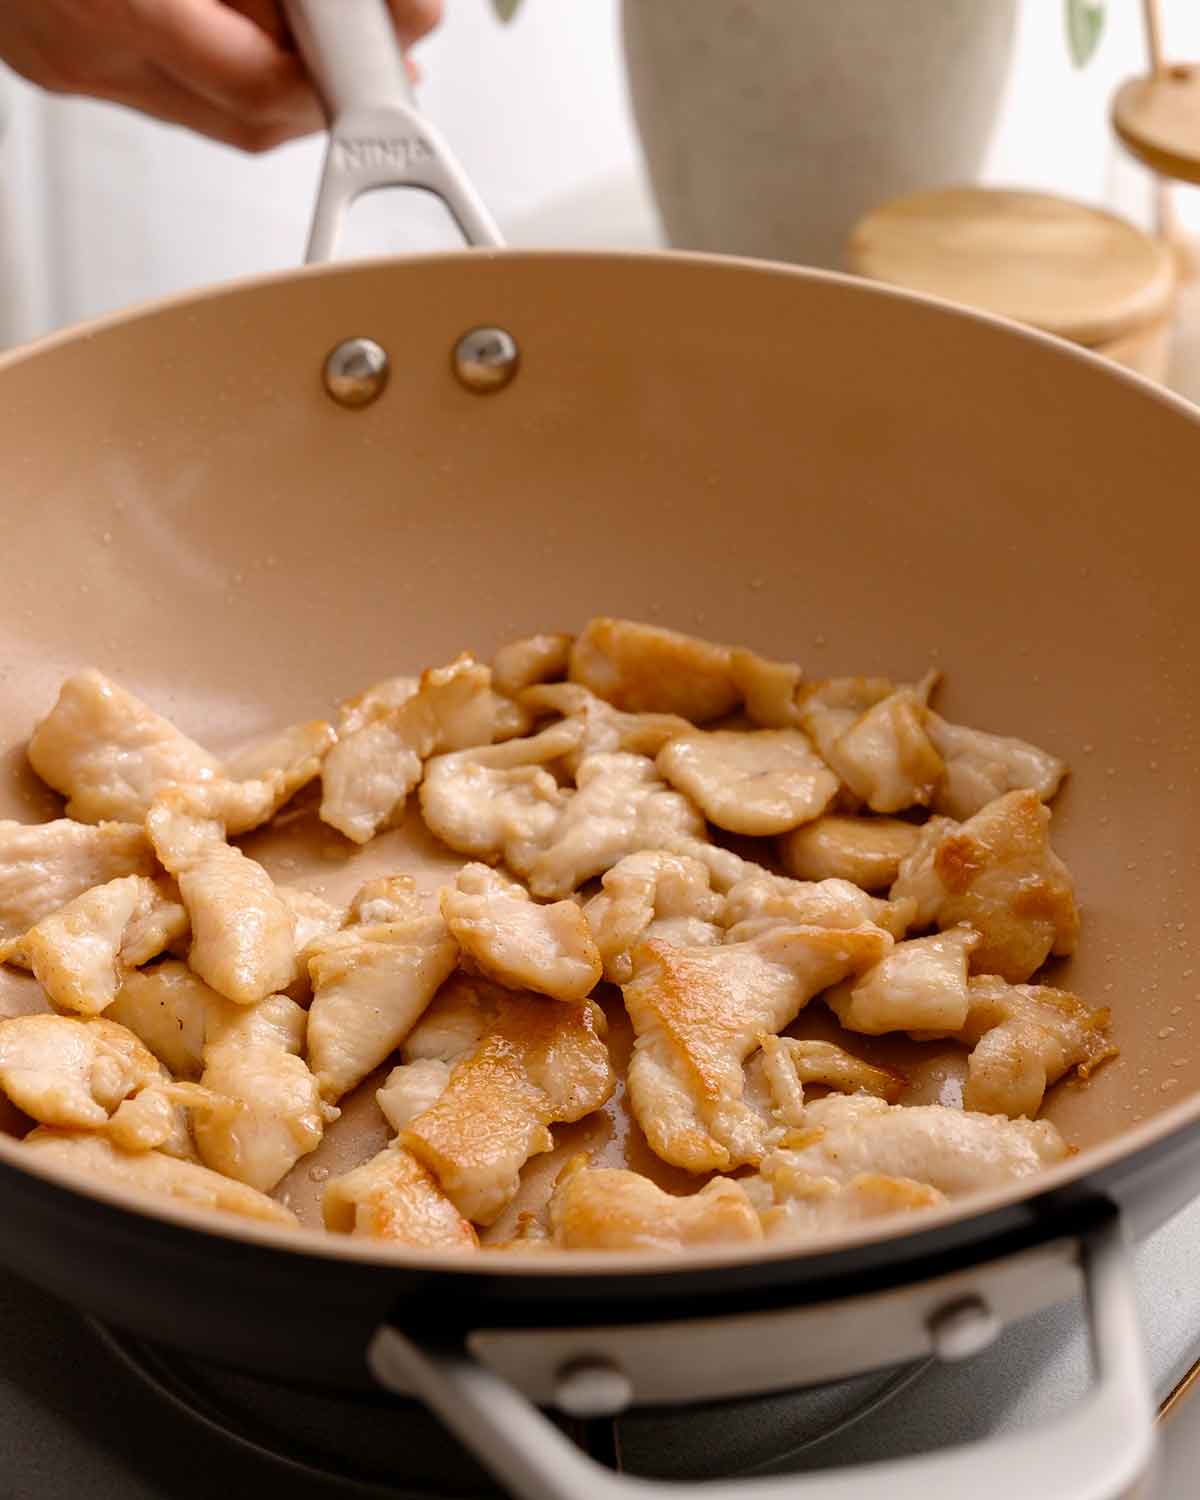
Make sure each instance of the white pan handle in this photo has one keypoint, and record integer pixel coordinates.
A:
(377, 138)
(1101, 1449)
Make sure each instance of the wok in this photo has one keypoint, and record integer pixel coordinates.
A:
(825, 470)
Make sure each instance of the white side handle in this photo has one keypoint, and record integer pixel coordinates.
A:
(1102, 1449)
(377, 138)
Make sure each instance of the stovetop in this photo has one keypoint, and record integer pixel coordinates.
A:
(84, 1415)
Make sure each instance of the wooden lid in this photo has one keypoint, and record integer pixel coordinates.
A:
(1064, 267)
(1158, 119)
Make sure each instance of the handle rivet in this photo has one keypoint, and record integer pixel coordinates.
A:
(592, 1388)
(485, 359)
(356, 372)
(961, 1329)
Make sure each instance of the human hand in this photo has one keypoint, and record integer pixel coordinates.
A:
(224, 68)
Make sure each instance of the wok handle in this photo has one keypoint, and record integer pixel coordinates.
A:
(1103, 1448)
(377, 137)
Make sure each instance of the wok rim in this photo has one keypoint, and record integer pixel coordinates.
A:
(1030, 1210)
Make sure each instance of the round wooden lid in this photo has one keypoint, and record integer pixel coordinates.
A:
(1060, 266)
(1158, 119)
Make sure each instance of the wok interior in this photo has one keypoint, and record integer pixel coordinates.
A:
(822, 470)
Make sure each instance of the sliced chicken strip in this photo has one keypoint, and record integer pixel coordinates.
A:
(533, 659)
(81, 953)
(413, 1087)
(172, 1011)
(154, 1173)
(652, 894)
(312, 916)
(605, 1208)
(75, 1073)
(778, 1073)
(534, 1062)
(604, 728)
(646, 669)
(866, 851)
(796, 1203)
(370, 986)
(354, 712)
(886, 757)
(393, 1197)
(828, 708)
(390, 898)
(756, 782)
(953, 1150)
(980, 767)
(243, 934)
(770, 690)
(998, 874)
(290, 759)
(488, 801)
(698, 1014)
(516, 941)
(1026, 1037)
(621, 806)
(267, 1111)
(760, 900)
(920, 986)
(45, 865)
(367, 776)
(109, 753)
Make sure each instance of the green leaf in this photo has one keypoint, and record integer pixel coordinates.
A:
(1085, 23)
(506, 9)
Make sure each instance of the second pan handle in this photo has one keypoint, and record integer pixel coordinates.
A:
(377, 137)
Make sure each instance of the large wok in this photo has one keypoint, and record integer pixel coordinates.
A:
(826, 470)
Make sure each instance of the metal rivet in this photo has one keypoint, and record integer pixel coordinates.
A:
(592, 1388)
(356, 372)
(962, 1328)
(486, 359)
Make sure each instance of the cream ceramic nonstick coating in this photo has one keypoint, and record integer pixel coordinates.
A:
(824, 470)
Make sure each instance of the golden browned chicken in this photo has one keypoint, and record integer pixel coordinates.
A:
(866, 851)
(759, 782)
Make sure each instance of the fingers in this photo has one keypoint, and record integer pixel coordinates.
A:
(221, 55)
(151, 91)
(415, 18)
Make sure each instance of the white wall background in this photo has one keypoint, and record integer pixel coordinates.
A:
(100, 208)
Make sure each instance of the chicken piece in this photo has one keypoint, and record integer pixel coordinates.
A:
(509, 720)
(97, 1159)
(393, 1197)
(243, 934)
(652, 895)
(354, 712)
(770, 690)
(997, 873)
(698, 1013)
(288, 760)
(621, 806)
(605, 1208)
(173, 1012)
(267, 1111)
(534, 1063)
(756, 782)
(886, 757)
(953, 1150)
(775, 1077)
(761, 900)
(605, 728)
(110, 754)
(77, 1073)
(646, 669)
(371, 984)
(793, 1202)
(367, 776)
(827, 709)
(980, 767)
(486, 801)
(866, 851)
(312, 917)
(533, 659)
(390, 898)
(1026, 1037)
(45, 865)
(81, 953)
(413, 1087)
(920, 986)
(517, 942)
